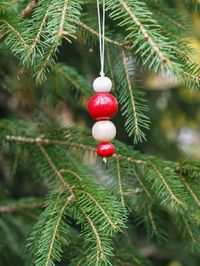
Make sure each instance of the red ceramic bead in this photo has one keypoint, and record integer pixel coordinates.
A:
(102, 106)
(105, 149)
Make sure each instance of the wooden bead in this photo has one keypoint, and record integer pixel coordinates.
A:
(104, 131)
(105, 149)
(102, 106)
(102, 84)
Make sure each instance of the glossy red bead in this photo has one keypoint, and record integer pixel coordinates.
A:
(105, 149)
(102, 106)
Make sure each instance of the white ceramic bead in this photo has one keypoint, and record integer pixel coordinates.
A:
(104, 131)
(102, 84)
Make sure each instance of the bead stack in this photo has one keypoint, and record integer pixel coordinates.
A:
(102, 107)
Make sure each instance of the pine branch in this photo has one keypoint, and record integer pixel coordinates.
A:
(21, 205)
(156, 179)
(45, 242)
(61, 25)
(151, 47)
(147, 209)
(11, 26)
(110, 68)
(84, 29)
(77, 85)
(165, 184)
(37, 38)
(42, 33)
(54, 168)
(189, 230)
(67, 143)
(140, 31)
(133, 104)
(120, 181)
(172, 188)
(169, 19)
(189, 168)
(126, 254)
(98, 223)
(193, 3)
(143, 186)
(29, 8)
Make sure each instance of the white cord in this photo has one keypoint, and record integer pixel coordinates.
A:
(101, 23)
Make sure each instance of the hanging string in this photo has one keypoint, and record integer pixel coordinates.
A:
(101, 22)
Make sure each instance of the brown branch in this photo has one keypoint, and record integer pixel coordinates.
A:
(16, 208)
(40, 140)
(29, 8)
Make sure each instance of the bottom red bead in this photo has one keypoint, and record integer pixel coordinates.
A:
(105, 149)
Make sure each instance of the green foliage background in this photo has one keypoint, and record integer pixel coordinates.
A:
(60, 205)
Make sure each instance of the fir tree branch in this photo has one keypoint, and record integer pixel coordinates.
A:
(194, 196)
(65, 75)
(62, 21)
(126, 254)
(188, 229)
(163, 188)
(67, 143)
(170, 19)
(45, 241)
(142, 185)
(119, 180)
(91, 197)
(77, 81)
(163, 180)
(40, 69)
(144, 31)
(11, 237)
(136, 127)
(100, 252)
(96, 34)
(54, 168)
(17, 207)
(29, 8)
(37, 37)
(111, 70)
(189, 168)
(150, 215)
(70, 172)
(11, 28)
(133, 104)
(102, 210)
(194, 3)
(55, 231)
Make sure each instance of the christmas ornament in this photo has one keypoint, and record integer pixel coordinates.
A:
(102, 84)
(105, 149)
(103, 105)
(104, 131)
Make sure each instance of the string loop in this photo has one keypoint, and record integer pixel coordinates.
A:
(101, 23)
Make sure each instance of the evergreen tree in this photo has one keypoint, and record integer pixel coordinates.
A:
(60, 205)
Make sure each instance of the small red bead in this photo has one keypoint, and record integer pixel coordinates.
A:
(105, 149)
(102, 106)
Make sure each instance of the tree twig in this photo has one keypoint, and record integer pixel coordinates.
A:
(29, 8)
(15, 207)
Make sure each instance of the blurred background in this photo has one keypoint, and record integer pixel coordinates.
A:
(174, 111)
